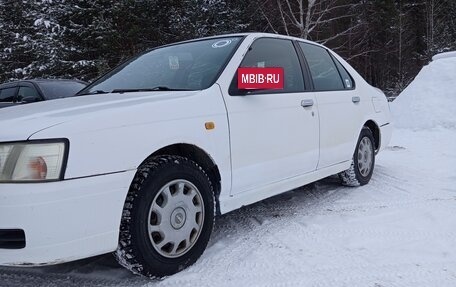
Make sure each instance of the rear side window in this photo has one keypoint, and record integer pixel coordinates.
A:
(7, 95)
(269, 52)
(323, 70)
(346, 78)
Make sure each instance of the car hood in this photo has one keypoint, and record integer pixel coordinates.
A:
(21, 122)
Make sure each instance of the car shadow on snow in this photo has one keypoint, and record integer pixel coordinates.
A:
(309, 200)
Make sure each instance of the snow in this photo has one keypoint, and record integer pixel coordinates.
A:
(399, 230)
(38, 22)
(445, 55)
(430, 100)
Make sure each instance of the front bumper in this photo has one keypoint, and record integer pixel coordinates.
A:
(63, 221)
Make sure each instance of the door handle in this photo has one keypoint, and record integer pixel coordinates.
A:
(307, 103)
(356, 99)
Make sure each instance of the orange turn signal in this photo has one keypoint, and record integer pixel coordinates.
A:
(209, 125)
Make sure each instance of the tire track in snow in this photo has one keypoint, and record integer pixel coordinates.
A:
(404, 274)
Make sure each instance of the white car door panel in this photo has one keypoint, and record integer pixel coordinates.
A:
(340, 119)
(272, 138)
(339, 105)
(274, 135)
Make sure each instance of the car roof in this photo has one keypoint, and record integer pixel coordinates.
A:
(254, 34)
(57, 80)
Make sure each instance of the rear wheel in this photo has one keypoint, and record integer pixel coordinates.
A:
(362, 166)
(168, 217)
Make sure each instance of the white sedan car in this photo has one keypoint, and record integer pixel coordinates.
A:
(144, 158)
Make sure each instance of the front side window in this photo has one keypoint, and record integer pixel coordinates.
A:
(324, 72)
(275, 53)
(7, 95)
(187, 66)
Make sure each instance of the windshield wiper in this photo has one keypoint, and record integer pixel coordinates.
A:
(96, 92)
(120, 91)
(158, 88)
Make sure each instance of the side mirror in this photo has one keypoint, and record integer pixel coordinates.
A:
(240, 92)
(244, 92)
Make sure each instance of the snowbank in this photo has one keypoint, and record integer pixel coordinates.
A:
(444, 55)
(430, 100)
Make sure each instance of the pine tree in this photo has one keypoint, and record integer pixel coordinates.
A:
(89, 30)
(34, 45)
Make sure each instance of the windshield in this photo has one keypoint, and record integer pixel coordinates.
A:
(187, 66)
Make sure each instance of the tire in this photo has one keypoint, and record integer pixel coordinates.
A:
(363, 162)
(167, 218)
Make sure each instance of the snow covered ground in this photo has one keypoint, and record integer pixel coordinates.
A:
(399, 230)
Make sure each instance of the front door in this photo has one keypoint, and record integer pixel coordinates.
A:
(274, 134)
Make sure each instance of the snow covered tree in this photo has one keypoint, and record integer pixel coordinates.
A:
(440, 26)
(199, 18)
(33, 46)
(88, 37)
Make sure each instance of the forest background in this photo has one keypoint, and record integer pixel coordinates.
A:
(386, 41)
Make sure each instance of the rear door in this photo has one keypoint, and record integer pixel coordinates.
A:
(338, 104)
(273, 137)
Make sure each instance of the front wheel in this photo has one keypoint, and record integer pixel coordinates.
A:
(167, 218)
(362, 166)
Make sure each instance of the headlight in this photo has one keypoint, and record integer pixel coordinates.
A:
(42, 160)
